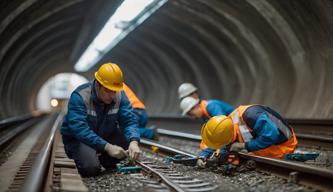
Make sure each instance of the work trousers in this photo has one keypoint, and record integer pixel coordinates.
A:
(88, 161)
(145, 132)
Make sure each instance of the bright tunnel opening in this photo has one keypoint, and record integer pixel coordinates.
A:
(56, 90)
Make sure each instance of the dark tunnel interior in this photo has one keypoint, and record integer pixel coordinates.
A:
(273, 52)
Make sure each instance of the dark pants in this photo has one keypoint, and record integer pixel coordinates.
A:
(87, 160)
(145, 132)
(141, 115)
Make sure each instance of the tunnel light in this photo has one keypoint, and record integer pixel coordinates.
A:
(54, 102)
(126, 18)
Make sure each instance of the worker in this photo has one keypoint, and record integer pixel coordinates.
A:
(187, 89)
(141, 114)
(254, 128)
(204, 110)
(100, 127)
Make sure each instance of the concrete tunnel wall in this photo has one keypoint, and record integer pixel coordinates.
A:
(274, 52)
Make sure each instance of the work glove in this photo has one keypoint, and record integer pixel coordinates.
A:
(115, 151)
(201, 162)
(134, 150)
(237, 147)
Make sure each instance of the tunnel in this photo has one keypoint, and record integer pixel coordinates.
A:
(273, 52)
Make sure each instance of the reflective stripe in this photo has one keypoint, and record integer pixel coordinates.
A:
(275, 150)
(113, 111)
(282, 127)
(86, 94)
(244, 131)
(91, 112)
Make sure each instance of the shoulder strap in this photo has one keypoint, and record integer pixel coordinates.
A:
(243, 129)
(203, 107)
(86, 95)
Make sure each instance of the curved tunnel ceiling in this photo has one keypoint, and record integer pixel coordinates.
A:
(277, 53)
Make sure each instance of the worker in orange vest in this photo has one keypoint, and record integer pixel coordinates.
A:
(255, 128)
(204, 110)
(141, 114)
(197, 108)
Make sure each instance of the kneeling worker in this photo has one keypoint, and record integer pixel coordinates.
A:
(100, 123)
(204, 110)
(256, 128)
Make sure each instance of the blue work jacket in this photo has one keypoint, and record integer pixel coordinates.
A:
(217, 107)
(92, 122)
(214, 108)
(265, 131)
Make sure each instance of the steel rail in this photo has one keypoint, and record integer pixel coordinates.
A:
(322, 141)
(174, 185)
(36, 178)
(315, 140)
(13, 120)
(6, 137)
(4, 123)
(327, 122)
(168, 182)
(182, 135)
(185, 124)
(165, 149)
(294, 121)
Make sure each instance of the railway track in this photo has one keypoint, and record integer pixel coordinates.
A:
(170, 180)
(48, 169)
(12, 127)
(300, 173)
(39, 163)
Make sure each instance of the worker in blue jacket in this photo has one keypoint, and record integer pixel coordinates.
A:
(255, 128)
(100, 127)
(204, 110)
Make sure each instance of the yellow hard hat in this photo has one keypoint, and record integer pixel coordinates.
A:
(217, 132)
(110, 76)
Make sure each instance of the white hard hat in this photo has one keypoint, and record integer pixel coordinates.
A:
(187, 104)
(185, 89)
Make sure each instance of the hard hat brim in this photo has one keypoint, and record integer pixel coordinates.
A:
(190, 107)
(111, 88)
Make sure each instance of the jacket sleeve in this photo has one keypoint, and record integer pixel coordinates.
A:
(78, 126)
(127, 119)
(207, 152)
(266, 134)
(222, 108)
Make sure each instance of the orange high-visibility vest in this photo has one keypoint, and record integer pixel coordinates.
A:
(134, 100)
(203, 107)
(242, 132)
